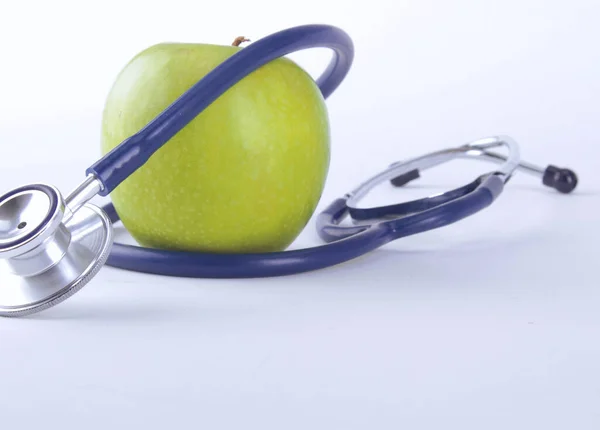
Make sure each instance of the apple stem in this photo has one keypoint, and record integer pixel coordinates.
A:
(239, 40)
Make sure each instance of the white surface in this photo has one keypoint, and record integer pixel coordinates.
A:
(491, 323)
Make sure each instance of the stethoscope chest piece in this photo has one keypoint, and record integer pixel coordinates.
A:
(47, 252)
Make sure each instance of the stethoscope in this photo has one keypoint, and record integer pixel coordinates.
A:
(50, 246)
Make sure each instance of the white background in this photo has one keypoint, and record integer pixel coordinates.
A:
(492, 323)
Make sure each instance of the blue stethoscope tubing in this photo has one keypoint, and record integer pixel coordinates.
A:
(343, 243)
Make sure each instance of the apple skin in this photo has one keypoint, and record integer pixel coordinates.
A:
(244, 176)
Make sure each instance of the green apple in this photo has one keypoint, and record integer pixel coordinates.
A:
(244, 176)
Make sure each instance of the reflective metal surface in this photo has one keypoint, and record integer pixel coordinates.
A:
(28, 217)
(42, 257)
(21, 214)
(476, 149)
(81, 195)
(91, 234)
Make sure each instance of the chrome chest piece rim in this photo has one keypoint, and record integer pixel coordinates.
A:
(47, 252)
(28, 215)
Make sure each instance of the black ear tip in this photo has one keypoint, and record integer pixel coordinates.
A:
(405, 178)
(562, 180)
